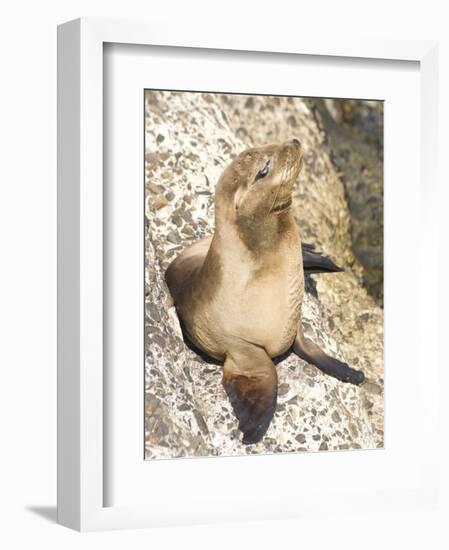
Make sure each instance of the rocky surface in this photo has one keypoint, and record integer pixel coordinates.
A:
(354, 141)
(190, 138)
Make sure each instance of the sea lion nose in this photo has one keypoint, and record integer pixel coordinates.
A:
(296, 141)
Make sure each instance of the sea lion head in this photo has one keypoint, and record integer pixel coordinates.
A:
(255, 191)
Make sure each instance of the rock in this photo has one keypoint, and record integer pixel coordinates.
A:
(159, 201)
(336, 417)
(188, 413)
(354, 141)
(173, 237)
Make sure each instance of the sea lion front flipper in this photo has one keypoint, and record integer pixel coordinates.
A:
(310, 352)
(250, 380)
(315, 262)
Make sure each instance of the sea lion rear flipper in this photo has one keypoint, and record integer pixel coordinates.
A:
(310, 352)
(314, 262)
(250, 380)
(307, 246)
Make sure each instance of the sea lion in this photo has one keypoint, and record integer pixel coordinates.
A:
(238, 293)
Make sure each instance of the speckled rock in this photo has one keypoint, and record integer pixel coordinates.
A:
(190, 138)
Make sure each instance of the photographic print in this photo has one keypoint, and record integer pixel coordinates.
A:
(263, 274)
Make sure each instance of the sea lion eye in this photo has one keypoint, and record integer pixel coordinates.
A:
(265, 170)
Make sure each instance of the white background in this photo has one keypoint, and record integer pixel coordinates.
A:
(28, 268)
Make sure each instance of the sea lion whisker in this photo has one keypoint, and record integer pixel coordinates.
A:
(277, 193)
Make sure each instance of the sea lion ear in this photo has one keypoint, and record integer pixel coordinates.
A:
(250, 381)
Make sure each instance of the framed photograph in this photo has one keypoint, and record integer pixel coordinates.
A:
(240, 296)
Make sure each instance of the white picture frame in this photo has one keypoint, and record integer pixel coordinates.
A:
(81, 409)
